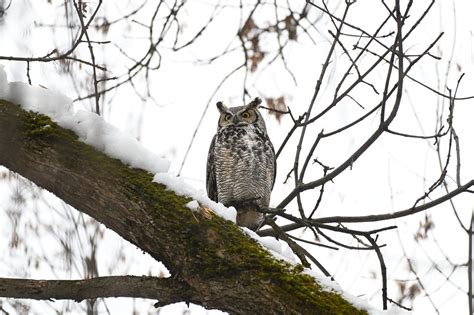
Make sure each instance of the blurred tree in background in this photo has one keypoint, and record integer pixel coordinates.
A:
(368, 106)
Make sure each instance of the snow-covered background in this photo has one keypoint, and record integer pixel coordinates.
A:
(390, 177)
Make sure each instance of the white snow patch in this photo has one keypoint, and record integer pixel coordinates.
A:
(271, 243)
(3, 81)
(37, 99)
(360, 303)
(180, 187)
(278, 249)
(90, 127)
(193, 205)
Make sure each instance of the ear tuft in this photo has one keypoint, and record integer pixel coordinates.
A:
(255, 103)
(221, 107)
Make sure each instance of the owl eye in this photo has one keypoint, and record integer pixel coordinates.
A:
(245, 115)
(227, 117)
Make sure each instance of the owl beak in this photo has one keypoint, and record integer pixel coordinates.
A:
(235, 120)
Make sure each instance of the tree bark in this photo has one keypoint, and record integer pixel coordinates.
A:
(166, 290)
(212, 262)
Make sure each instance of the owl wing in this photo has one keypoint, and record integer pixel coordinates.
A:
(274, 163)
(211, 185)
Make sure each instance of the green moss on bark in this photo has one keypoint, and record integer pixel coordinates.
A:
(37, 125)
(237, 254)
(215, 248)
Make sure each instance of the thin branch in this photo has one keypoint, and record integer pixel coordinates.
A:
(91, 51)
(388, 216)
(349, 162)
(470, 264)
(59, 56)
(299, 178)
(204, 113)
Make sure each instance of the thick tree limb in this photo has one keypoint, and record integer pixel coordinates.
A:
(166, 290)
(221, 266)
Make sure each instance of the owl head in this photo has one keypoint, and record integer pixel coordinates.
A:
(241, 116)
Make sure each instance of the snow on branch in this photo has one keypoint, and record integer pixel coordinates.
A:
(90, 127)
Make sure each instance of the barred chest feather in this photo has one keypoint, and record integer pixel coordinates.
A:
(244, 166)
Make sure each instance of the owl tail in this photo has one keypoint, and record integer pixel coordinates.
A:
(249, 217)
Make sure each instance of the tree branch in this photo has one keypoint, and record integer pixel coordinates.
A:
(166, 290)
(376, 217)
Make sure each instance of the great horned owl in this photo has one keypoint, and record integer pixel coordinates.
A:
(241, 164)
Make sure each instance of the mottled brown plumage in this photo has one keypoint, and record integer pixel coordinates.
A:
(241, 163)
